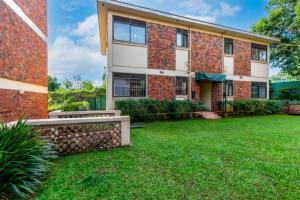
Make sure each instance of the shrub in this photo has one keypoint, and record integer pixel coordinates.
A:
(23, 160)
(151, 110)
(77, 106)
(254, 107)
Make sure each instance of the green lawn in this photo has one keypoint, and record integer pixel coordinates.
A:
(236, 158)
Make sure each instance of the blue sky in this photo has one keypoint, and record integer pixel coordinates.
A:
(73, 29)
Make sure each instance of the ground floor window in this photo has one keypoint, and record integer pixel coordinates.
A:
(259, 90)
(229, 88)
(181, 85)
(129, 85)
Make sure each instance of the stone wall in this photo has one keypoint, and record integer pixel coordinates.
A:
(242, 90)
(161, 46)
(71, 136)
(161, 87)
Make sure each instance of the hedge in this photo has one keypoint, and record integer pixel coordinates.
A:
(145, 110)
(254, 107)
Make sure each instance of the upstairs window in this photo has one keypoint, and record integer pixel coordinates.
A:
(129, 85)
(182, 38)
(259, 52)
(228, 46)
(229, 88)
(259, 90)
(129, 30)
(181, 85)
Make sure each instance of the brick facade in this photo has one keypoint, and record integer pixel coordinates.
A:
(28, 105)
(161, 87)
(23, 58)
(161, 46)
(242, 57)
(207, 52)
(242, 90)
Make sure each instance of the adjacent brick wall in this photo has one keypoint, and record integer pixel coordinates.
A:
(242, 57)
(161, 87)
(36, 10)
(196, 88)
(23, 58)
(161, 46)
(28, 105)
(217, 96)
(207, 52)
(242, 90)
(23, 54)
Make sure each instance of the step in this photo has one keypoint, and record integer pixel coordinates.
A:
(209, 115)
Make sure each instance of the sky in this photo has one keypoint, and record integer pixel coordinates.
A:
(73, 37)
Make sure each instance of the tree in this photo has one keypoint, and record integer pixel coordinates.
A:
(283, 21)
(68, 85)
(53, 83)
(87, 85)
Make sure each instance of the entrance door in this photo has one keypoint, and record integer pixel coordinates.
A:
(205, 94)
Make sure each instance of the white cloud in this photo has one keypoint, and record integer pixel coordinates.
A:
(77, 51)
(211, 19)
(228, 10)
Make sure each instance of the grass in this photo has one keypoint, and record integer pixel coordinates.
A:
(237, 158)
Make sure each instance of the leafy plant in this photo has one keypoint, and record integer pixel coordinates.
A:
(24, 160)
(77, 106)
(151, 110)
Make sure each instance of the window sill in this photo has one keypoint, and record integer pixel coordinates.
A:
(129, 43)
(182, 48)
(257, 61)
(228, 55)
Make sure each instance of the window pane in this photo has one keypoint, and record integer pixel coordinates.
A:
(121, 88)
(262, 55)
(184, 40)
(228, 46)
(181, 85)
(138, 34)
(121, 31)
(262, 92)
(255, 53)
(179, 39)
(254, 92)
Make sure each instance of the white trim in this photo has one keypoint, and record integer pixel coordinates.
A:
(21, 86)
(247, 78)
(25, 18)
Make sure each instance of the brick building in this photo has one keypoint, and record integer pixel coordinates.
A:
(23, 59)
(154, 54)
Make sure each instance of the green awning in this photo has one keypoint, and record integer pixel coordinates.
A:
(201, 76)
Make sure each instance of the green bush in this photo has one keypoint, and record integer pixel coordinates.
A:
(151, 110)
(255, 107)
(24, 158)
(76, 106)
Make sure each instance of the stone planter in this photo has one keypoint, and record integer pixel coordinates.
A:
(84, 114)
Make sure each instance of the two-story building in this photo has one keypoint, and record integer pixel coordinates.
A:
(158, 55)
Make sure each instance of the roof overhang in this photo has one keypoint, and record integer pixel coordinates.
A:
(104, 5)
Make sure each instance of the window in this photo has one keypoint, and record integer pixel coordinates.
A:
(182, 38)
(228, 46)
(181, 85)
(229, 88)
(129, 85)
(259, 90)
(259, 52)
(129, 30)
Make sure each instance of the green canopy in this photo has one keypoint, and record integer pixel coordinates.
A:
(201, 76)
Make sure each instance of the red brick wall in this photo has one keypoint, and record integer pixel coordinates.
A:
(28, 105)
(242, 90)
(217, 96)
(207, 52)
(36, 10)
(23, 53)
(242, 57)
(161, 87)
(161, 46)
(23, 58)
(196, 88)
